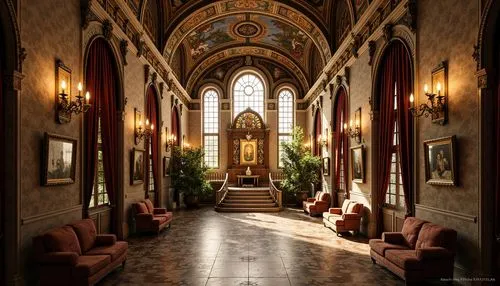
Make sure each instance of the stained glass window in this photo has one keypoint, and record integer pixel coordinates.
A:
(211, 128)
(248, 92)
(285, 120)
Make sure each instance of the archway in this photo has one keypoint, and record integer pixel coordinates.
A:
(489, 95)
(393, 131)
(103, 135)
(341, 145)
(152, 146)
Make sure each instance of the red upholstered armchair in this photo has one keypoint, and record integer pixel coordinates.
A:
(422, 250)
(151, 219)
(347, 218)
(317, 205)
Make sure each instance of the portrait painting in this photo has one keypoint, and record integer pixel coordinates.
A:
(137, 171)
(326, 166)
(248, 152)
(357, 164)
(440, 164)
(59, 162)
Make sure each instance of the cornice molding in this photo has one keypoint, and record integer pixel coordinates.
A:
(126, 26)
(369, 28)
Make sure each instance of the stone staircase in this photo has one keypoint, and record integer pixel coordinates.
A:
(248, 200)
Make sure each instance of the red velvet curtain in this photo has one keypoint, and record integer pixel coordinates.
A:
(152, 114)
(317, 134)
(101, 83)
(385, 85)
(497, 203)
(341, 140)
(175, 126)
(404, 88)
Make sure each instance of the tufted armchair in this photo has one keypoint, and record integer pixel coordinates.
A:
(317, 205)
(347, 218)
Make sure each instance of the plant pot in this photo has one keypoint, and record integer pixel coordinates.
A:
(300, 197)
(191, 201)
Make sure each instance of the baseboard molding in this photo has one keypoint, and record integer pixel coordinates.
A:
(35, 218)
(457, 215)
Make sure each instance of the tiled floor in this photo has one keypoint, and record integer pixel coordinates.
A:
(204, 247)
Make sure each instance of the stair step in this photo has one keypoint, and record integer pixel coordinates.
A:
(248, 193)
(247, 205)
(248, 210)
(229, 197)
(255, 201)
(248, 189)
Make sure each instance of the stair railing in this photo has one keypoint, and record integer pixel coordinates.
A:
(275, 192)
(221, 193)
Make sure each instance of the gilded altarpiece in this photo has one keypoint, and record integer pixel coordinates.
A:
(249, 134)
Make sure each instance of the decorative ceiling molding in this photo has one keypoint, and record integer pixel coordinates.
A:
(274, 9)
(129, 28)
(241, 51)
(369, 28)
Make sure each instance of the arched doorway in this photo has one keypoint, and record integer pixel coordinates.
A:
(489, 96)
(393, 129)
(153, 113)
(103, 138)
(340, 145)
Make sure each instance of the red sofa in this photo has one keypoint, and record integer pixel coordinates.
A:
(151, 219)
(317, 205)
(422, 250)
(75, 255)
(347, 218)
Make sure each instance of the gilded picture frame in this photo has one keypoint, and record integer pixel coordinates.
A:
(441, 161)
(357, 163)
(248, 152)
(59, 160)
(137, 166)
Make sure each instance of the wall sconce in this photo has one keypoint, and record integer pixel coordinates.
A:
(437, 99)
(141, 131)
(435, 106)
(64, 105)
(323, 141)
(354, 129)
(171, 141)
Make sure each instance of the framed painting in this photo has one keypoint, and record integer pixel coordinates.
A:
(326, 166)
(59, 160)
(357, 164)
(248, 152)
(137, 166)
(439, 85)
(440, 161)
(166, 166)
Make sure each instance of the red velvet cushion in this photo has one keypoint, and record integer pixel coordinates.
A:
(381, 247)
(141, 208)
(116, 250)
(411, 229)
(404, 259)
(325, 197)
(89, 265)
(86, 233)
(62, 239)
(149, 205)
(432, 235)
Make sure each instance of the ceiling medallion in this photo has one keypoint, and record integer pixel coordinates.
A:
(248, 29)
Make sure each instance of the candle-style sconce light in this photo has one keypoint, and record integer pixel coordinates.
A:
(142, 130)
(323, 140)
(436, 106)
(354, 128)
(171, 140)
(65, 106)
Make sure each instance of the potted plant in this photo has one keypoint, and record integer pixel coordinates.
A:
(188, 174)
(300, 167)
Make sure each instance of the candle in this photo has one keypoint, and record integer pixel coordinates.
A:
(80, 87)
(87, 97)
(63, 86)
(152, 127)
(345, 126)
(147, 122)
(426, 88)
(412, 99)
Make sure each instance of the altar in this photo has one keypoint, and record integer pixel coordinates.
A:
(243, 180)
(248, 146)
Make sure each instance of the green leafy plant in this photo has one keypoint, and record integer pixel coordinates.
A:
(300, 167)
(189, 171)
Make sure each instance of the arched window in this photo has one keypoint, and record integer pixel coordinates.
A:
(152, 146)
(248, 92)
(211, 128)
(341, 141)
(285, 120)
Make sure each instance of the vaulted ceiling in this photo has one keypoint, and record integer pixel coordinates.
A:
(297, 37)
